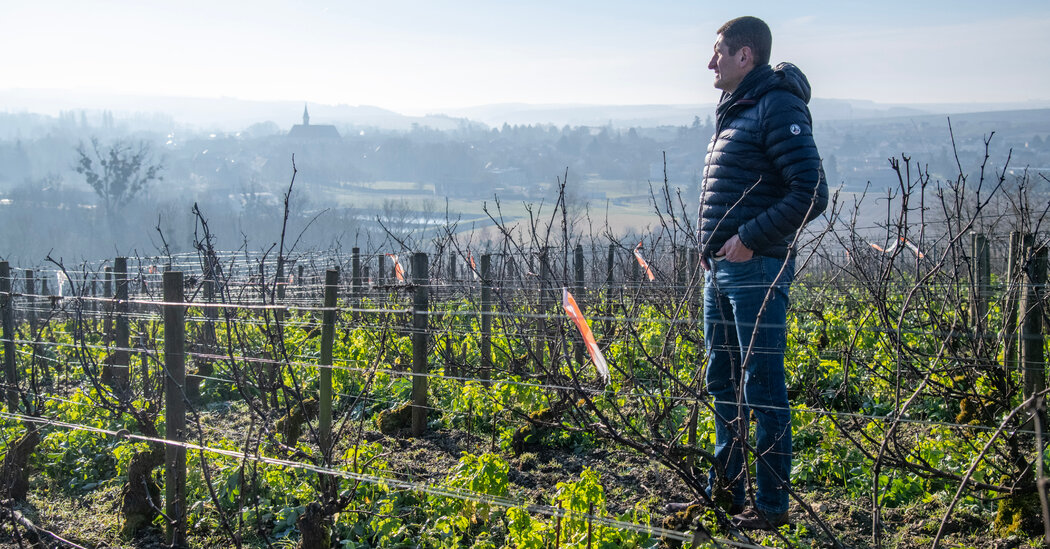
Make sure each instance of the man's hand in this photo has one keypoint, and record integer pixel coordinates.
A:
(735, 251)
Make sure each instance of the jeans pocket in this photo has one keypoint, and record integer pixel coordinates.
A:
(781, 271)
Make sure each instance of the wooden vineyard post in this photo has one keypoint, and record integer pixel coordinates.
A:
(147, 389)
(541, 325)
(636, 272)
(695, 293)
(7, 312)
(381, 275)
(590, 524)
(419, 344)
(452, 266)
(324, 421)
(30, 301)
(508, 273)
(609, 286)
(681, 268)
(1033, 361)
(263, 283)
(122, 334)
(107, 293)
(486, 318)
(445, 346)
(580, 268)
(680, 271)
(355, 283)
(355, 266)
(274, 366)
(278, 313)
(174, 407)
(690, 434)
(1018, 242)
(448, 346)
(982, 283)
(696, 281)
(578, 291)
(211, 314)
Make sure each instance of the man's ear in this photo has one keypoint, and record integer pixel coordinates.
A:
(745, 56)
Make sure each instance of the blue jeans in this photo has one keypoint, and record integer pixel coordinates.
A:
(733, 296)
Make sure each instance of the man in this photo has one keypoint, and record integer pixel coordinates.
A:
(762, 182)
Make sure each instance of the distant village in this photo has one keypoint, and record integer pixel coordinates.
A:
(242, 175)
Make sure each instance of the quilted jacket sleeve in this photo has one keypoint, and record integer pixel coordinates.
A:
(787, 130)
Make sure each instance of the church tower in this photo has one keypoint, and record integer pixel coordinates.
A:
(314, 133)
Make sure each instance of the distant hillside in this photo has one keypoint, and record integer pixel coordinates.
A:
(648, 116)
(854, 109)
(230, 114)
(215, 114)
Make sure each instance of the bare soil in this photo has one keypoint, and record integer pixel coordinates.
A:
(91, 520)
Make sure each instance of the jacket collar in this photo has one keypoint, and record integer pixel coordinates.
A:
(745, 91)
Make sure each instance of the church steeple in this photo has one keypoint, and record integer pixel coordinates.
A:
(306, 132)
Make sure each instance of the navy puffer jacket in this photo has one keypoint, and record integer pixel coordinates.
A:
(763, 178)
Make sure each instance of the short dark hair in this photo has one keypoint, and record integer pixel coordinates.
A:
(751, 32)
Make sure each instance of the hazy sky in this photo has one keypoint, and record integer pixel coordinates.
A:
(418, 56)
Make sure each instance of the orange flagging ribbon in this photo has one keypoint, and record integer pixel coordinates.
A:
(398, 271)
(473, 267)
(643, 263)
(573, 310)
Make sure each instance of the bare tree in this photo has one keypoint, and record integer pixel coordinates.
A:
(118, 172)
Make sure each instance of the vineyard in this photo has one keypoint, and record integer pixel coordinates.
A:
(434, 390)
